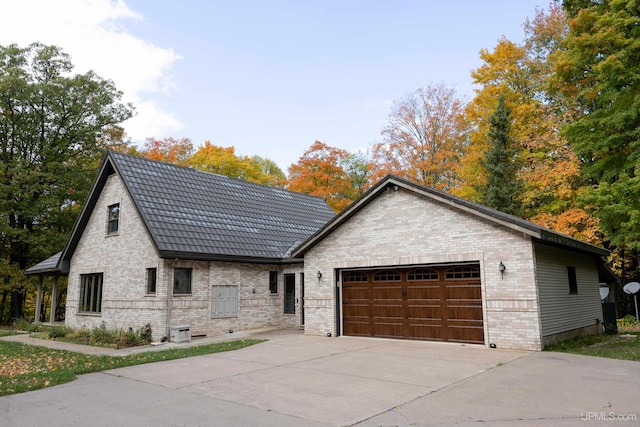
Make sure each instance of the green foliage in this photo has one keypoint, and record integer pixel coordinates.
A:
(627, 322)
(25, 325)
(59, 332)
(502, 186)
(24, 367)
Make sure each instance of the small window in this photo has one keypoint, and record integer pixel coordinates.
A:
(151, 280)
(90, 293)
(466, 272)
(224, 301)
(273, 282)
(182, 281)
(386, 276)
(114, 218)
(422, 274)
(354, 277)
(573, 280)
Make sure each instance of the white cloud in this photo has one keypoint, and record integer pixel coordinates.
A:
(93, 32)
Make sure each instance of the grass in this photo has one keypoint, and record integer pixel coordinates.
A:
(25, 367)
(602, 345)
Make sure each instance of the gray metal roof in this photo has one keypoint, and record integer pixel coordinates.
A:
(190, 213)
(537, 232)
(49, 265)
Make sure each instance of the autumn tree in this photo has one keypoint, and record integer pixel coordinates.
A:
(598, 67)
(423, 138)
(51, 125)
(319, 172)
(502, 187)
(224, 161)
(170, 150)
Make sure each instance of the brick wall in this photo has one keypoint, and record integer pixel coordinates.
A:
(402, 228)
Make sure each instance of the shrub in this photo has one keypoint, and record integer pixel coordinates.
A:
(628, 322)
(25, 325)
(59, 331)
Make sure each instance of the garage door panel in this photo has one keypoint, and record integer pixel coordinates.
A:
(443, 305)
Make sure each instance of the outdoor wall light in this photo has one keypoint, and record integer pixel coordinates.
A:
(502, 269)
(319, 274)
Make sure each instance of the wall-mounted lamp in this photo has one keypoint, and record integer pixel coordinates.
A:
(502, 269)
(319, 274)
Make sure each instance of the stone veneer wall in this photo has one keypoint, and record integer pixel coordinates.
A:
(402, 228)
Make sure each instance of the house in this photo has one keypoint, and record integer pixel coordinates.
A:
(167, 245)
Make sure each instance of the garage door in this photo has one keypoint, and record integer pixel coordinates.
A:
(425, 303)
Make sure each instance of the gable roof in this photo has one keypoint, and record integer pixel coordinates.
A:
(392, 182)
(199, 215)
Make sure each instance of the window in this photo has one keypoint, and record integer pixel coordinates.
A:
(273, 282)
(151, 280)
(90, 293)
(182, 281)
(224, 301)
(467, 272)
(422, 274)
(114, 217)
(573, 280)
(386, 276)
(354, 277)
(289, 294)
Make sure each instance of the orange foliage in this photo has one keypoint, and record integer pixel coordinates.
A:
(170, 150)
(319, 173)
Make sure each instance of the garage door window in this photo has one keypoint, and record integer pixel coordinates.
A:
(466, 272)
(354, 277)
(422, 274)
(386, 276)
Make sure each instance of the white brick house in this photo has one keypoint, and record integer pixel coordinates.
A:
(166, 245)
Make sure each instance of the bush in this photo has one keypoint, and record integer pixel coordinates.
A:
(627, 322)
(59, 331)
(119, 337)
(25, 325)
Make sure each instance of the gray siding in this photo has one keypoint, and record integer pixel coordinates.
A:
(561, 311)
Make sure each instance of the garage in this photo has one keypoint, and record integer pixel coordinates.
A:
(438, 303)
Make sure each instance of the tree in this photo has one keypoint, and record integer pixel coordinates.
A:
(502, 185)
(51, 125)
(170, 150)
(423, 138)
(598, 67)
(224, 161)
(319, 172)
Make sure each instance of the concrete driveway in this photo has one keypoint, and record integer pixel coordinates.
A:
(298, 380)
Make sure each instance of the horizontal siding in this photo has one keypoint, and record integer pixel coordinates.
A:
(559, 310)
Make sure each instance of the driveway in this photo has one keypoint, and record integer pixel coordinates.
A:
(298, 380)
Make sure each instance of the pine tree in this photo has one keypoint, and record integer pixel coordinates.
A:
(503, 187)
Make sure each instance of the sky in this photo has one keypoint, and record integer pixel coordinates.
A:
(269, 77)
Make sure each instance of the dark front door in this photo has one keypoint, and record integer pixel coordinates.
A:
(301, 299)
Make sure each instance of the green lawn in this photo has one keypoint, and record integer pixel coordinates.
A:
(602, 345)
(25, 367)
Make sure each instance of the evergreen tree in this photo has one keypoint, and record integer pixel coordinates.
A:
(503, 187)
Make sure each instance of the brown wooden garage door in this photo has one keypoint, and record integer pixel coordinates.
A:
(425, 303)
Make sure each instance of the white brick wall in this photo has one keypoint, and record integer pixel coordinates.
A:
(402, 228)
(123, 260)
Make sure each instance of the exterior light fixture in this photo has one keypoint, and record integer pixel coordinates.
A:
(502, 269)
(319, 274)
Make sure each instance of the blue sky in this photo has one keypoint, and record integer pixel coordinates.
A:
(269, 77)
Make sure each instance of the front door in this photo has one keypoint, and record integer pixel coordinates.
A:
(301, 299)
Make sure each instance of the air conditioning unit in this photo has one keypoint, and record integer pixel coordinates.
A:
(180, 333)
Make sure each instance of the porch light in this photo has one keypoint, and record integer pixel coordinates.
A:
(319, 274)
(502, 269)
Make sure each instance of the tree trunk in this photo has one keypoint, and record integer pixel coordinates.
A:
(3, 302)
(16, 304)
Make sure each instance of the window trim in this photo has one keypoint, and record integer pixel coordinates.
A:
(111, 221)
(173, 290)
(155, 281)
(86, 282)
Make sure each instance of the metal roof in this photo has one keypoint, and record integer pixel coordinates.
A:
(49, 265)
(535, 231)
